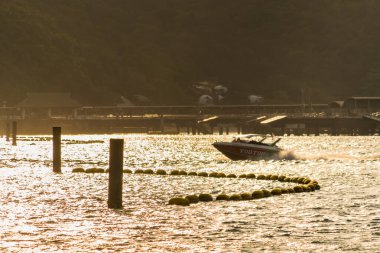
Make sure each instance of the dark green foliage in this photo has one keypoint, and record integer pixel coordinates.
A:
(99, 50)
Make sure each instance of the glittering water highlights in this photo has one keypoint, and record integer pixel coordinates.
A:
(45, 212)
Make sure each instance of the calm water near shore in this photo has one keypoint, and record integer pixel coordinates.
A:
(45, 212)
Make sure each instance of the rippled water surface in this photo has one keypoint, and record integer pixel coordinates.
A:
(45, 212)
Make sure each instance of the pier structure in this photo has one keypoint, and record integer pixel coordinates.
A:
(296, 119)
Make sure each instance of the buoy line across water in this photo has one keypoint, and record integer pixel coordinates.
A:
(305, 185)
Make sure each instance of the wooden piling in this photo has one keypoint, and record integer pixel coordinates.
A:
(221, 131)
(115, 183)
(57, 149)
(7, 131)
(14, 133)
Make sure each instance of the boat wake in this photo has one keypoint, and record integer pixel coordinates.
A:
(291, 155)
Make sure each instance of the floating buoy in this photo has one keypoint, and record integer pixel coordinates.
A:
(258, 194)
(294, 180)
(107, 170)
(287, 179)
(251, 175)
(276, 191)
(127, 171)
(274, 177)
(306, 188)
(213, 174)
(179, 201)
(174, 172)
(317, 187)
(300, 180)
(202, 174)
(243, 176)
(246, 196)
(161, 172)
(235, 197)
(139, 171)
(221, 174)
(267, 177)
(313, 182)
(261, 177)
(192, 173)
(94, 170)
(182, 173)
(284, 191)
(205, 197)
(76, 170)
(192, 198)
(281, 178)
(291, 190)
(231, 176)
(148, 171)
(298, 188)
(266, 193)
(222, 197)
(91, 170)
(306, 181)
(311, 186)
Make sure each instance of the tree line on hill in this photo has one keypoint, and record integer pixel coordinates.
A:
(283, 51)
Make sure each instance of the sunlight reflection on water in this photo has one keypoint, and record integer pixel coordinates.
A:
(48, 212)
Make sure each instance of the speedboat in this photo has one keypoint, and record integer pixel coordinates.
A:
(249, 147)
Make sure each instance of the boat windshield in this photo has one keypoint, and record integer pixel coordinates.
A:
(255, 139)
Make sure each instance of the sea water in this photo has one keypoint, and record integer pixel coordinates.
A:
(45, 212)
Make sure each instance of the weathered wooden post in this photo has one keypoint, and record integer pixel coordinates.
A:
(220, 130)
(115, 182)
(14, 133)
(7, 131)
(57, 149)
